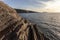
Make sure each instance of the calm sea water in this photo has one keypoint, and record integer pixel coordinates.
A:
(49, 23)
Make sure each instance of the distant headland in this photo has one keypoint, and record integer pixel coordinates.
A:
(24, 11)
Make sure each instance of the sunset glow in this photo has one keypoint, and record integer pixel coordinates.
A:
(53, 6)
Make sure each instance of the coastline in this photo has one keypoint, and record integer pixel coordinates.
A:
(14, 27)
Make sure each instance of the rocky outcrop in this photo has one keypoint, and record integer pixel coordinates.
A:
(14, 27)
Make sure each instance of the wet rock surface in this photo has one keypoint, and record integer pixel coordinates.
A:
(14, 27)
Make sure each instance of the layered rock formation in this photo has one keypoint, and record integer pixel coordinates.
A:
(14, 27)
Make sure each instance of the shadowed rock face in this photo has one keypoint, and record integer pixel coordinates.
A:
(14, 27)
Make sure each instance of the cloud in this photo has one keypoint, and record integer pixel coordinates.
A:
(45, 5)
(38, 2)
(36, 5)
(52, 6)
(39, 5)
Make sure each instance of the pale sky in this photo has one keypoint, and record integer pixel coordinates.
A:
(35, 5)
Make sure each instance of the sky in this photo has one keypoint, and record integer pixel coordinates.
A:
(35, 5)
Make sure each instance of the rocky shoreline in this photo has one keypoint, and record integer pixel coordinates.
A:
(14, 27)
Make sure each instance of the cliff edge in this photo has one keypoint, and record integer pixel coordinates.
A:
(14, 27)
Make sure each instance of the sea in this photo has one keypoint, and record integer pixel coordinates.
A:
(49, 23)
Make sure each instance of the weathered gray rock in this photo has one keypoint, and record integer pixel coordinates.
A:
(14, 27)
